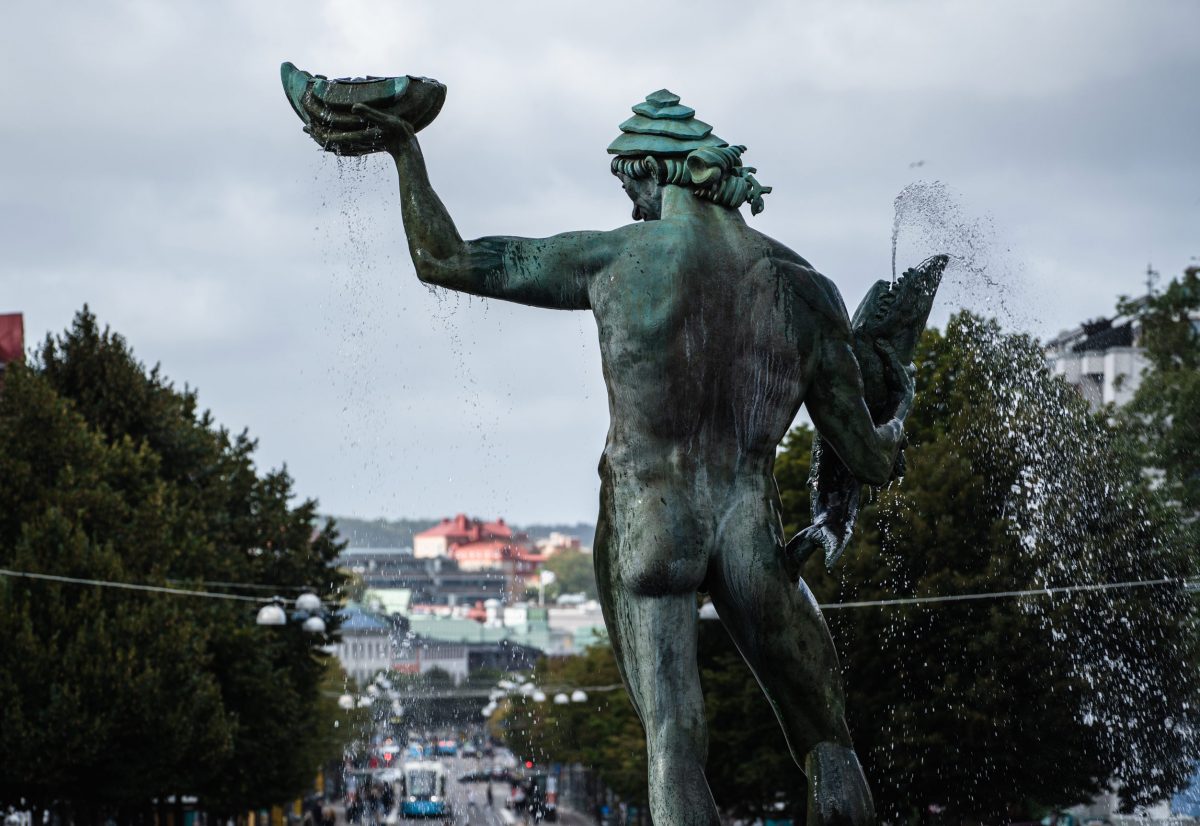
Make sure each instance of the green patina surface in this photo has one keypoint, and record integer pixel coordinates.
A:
(712, 336)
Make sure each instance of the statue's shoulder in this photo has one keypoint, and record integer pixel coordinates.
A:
(817, 291)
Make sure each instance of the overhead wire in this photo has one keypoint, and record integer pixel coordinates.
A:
(249, 586)
(1189, 585)
(1032, 592)
(130, 586)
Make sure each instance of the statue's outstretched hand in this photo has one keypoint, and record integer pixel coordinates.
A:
(366, 130)
(394, 132)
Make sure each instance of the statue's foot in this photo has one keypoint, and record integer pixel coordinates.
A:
(837, 790)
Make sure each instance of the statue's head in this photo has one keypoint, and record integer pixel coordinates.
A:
(664, 144)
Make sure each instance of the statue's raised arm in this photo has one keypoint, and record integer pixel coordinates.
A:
(355, 117)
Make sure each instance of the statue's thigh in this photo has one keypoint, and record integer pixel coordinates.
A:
(654, 638)
(778, 628)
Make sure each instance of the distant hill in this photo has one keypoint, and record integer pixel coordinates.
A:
(398, 533)
(381, 533)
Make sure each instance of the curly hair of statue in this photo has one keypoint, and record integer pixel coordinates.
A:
(714, 173)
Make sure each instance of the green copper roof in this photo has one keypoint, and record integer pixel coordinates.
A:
(661, 125)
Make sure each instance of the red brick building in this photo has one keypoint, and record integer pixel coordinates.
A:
(482, 546)
(438, 540)
(12, 340)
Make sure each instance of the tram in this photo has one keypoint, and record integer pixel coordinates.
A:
(423, 790)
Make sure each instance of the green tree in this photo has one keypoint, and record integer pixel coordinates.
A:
(574, 574)
(986, 710)
(604, 733)
(749, 767)
(1001, 708)
(1165, 410)
(111, 698)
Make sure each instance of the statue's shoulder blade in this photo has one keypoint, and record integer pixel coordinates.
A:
(814, 289)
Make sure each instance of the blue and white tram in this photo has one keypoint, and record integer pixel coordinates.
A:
(423, 790)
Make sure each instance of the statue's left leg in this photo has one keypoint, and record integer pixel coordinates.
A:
(779, 630)
(647, 585)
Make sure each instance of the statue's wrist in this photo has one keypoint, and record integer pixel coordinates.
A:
(404, 151)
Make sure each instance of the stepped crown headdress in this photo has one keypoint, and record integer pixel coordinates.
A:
(664, 140)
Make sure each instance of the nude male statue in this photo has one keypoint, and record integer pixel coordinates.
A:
(712, 335)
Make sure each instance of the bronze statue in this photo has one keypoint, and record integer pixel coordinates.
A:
(712, 335)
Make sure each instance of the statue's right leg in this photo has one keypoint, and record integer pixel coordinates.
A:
(649, 599)
(779, 630)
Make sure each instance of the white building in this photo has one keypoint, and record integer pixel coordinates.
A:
(420, 656)
(365, 646)
(1101, 359)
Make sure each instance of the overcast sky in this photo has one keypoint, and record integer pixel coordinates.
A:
(152, 168)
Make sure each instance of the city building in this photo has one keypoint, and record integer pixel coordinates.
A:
(556, 542)
(438, 540)
(12, 340)
(519, 566)
(371, 643)
(427, 581)
(1101, 359)
(556, 631)
(366, 645)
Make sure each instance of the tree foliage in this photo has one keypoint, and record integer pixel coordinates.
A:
(1002, 708)
(603, 733)
(1165, 411)
(987, 710)
(111, 698)
(574, 573)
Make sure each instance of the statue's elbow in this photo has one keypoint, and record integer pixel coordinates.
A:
(429, 269)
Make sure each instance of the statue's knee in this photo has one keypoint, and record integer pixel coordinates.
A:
(681, 737)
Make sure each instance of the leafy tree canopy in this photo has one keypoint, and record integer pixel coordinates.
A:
(574, 573)
(985, 710)
(1001, 708)
(1165, 411)
(109, 698)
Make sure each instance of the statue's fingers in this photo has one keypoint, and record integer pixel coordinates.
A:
(372, 135)
(327, 117)
(358, 142)
(372, 114)
(382, 118)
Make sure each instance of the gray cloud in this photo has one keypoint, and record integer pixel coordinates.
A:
(151, 167)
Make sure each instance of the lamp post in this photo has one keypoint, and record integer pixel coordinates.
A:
(308, 613)
(526, 688)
